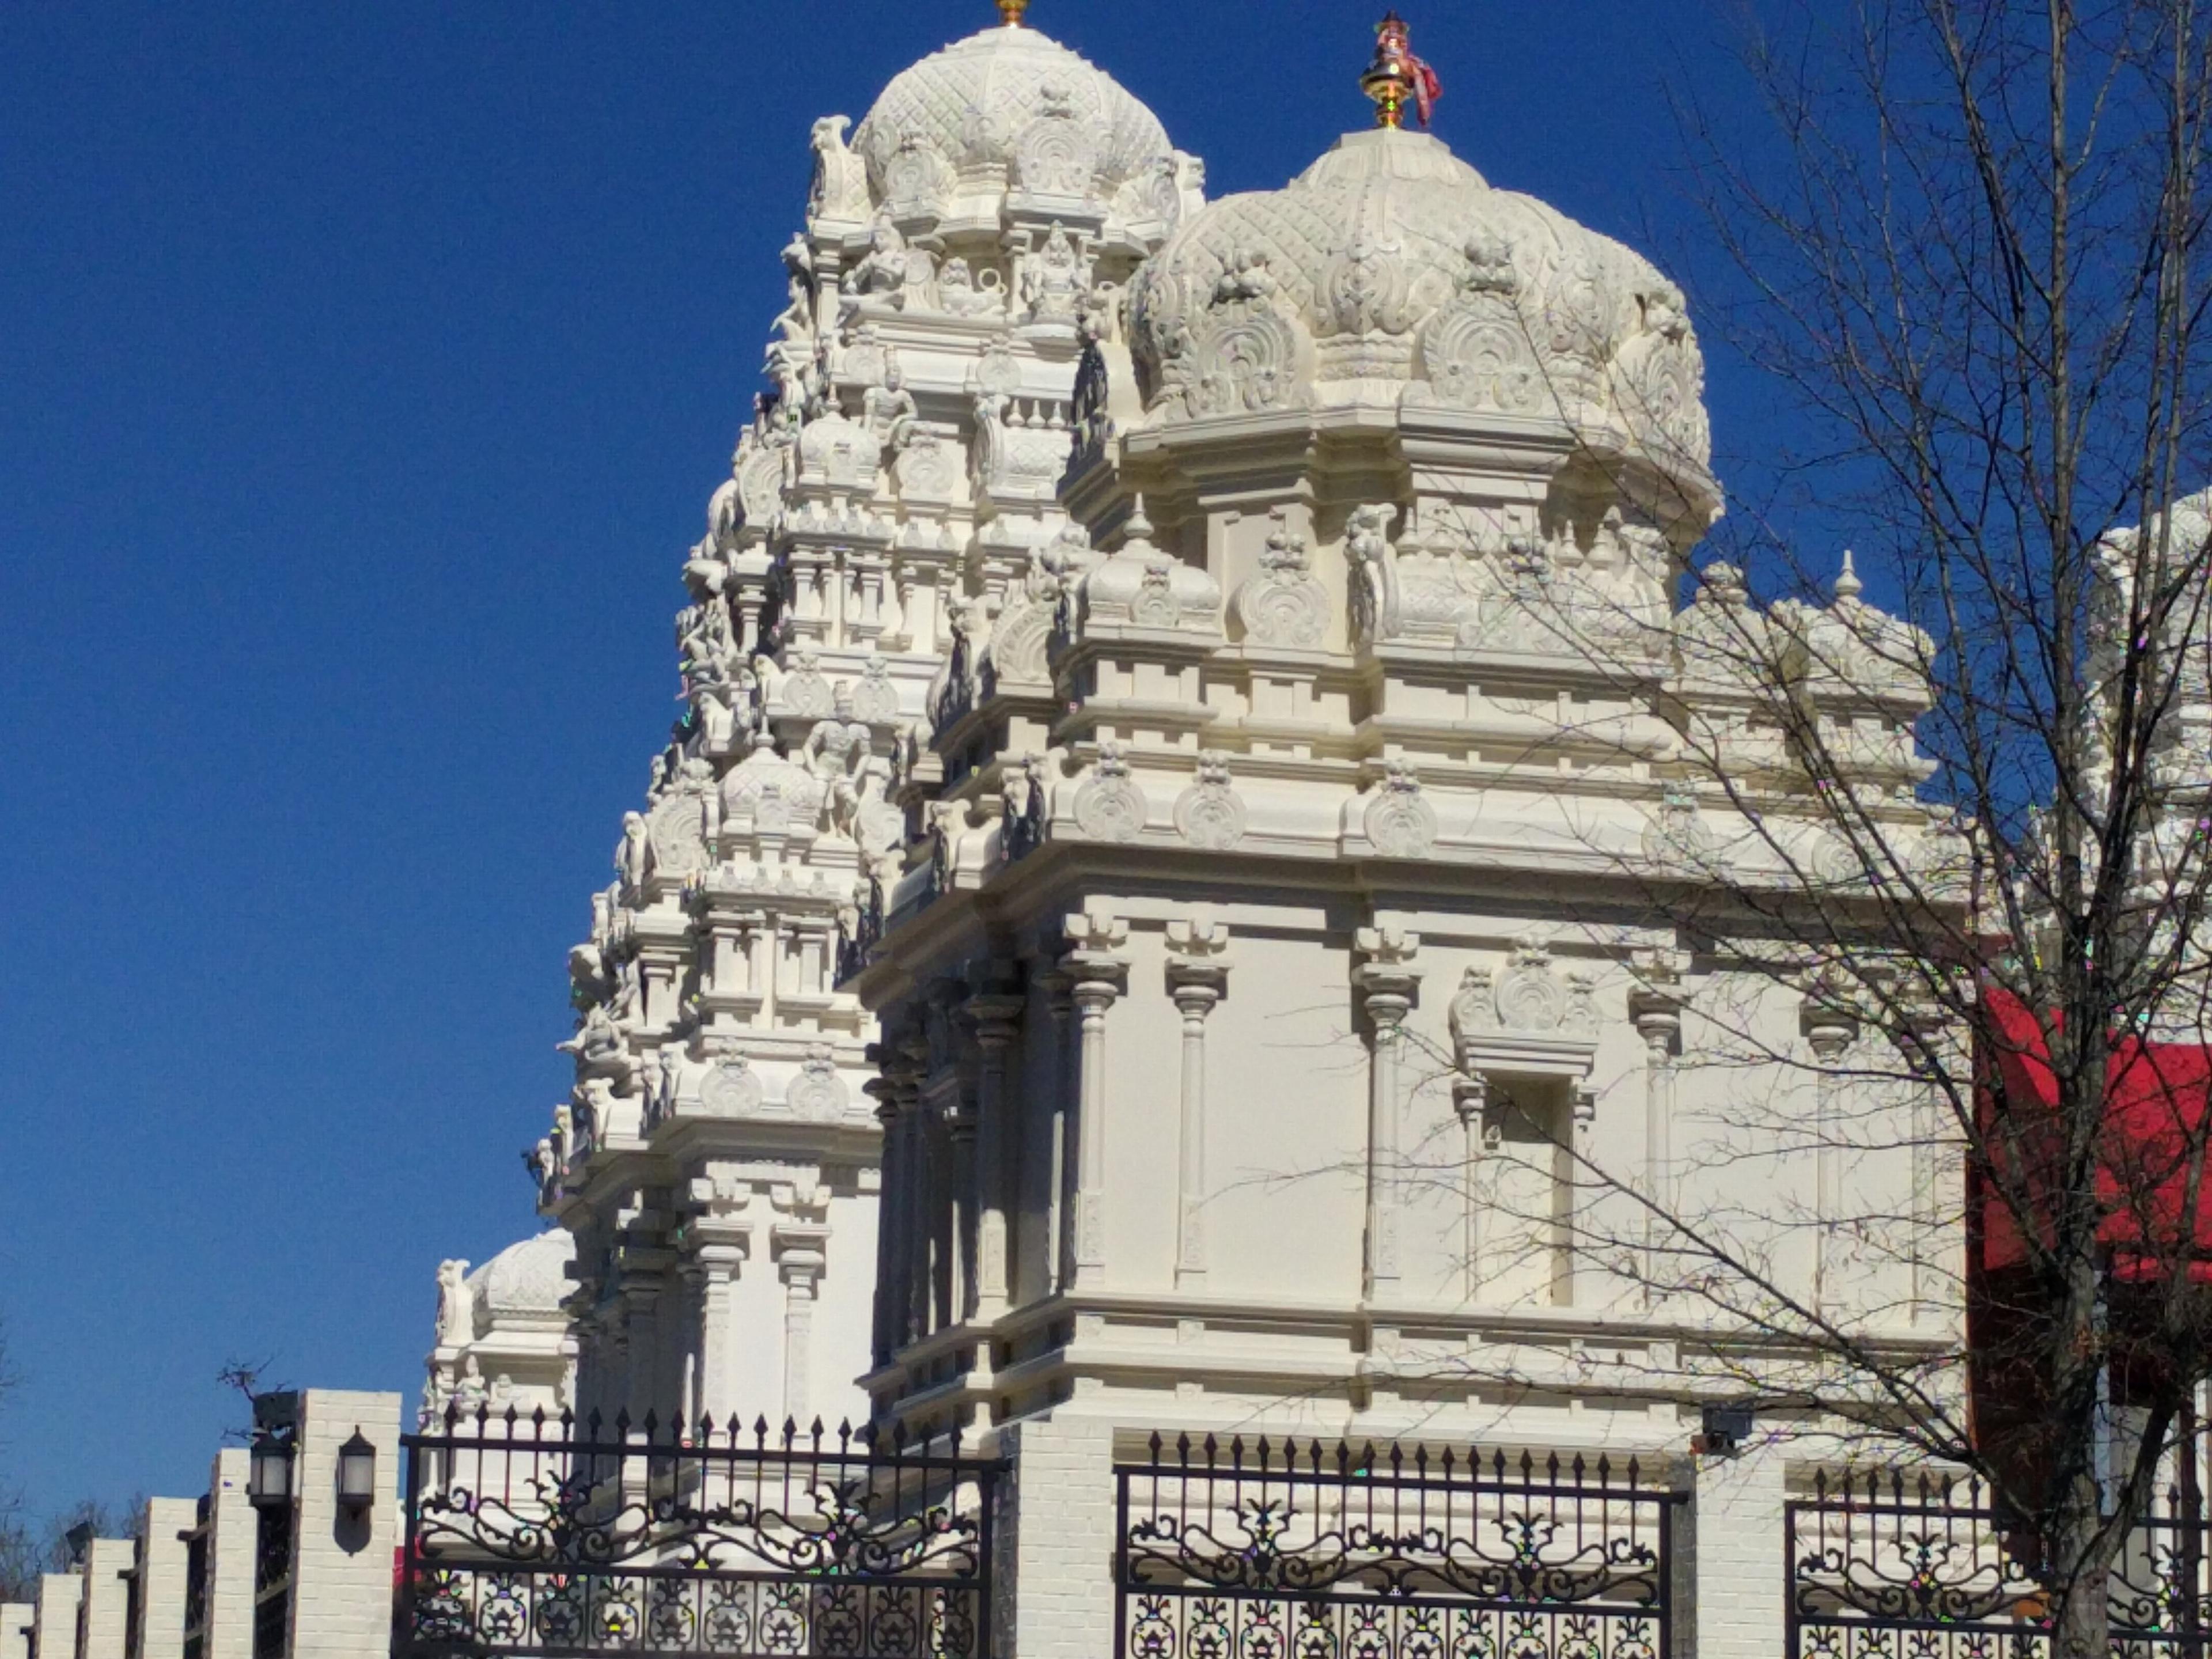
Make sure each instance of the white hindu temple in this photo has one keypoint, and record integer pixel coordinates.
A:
(1164, 905)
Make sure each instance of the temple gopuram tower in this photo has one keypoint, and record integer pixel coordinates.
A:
(717, 1161)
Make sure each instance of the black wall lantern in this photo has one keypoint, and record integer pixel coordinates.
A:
(357, 1474)
(1725, 1430)
(268, 1473)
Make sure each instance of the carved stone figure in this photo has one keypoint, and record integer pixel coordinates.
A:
(456, 1324)
(840, 176)
(1374, 572)
(961, 293)
(1054, 279)
(888, 410)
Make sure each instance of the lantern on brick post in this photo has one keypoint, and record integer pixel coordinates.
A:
(357, 1474)
(268, 1471)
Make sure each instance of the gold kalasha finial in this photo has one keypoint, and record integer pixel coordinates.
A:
(1011, 10)
(1396, 77)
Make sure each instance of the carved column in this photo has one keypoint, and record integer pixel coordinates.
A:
(1096, 978)
(1198, 977)
(1059, 1185)
(1471, 1100)
(961, 1246)
(801, 1253)
(721, 1256)
(1830, 1030)
(995, 1017)
(1387, 982)
(921, 1156)
(1657, 1009)
(890, 1217)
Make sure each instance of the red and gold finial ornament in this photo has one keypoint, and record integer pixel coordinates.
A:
(1012, 11)
(1396, 77)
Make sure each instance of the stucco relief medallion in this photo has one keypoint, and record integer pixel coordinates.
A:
(817, 1094)
(1281, 603)
(1111, 806)
(731, 1089)
(875, 699)
(1834, 863)
(804, 691)
(1209, 813)
(1676, 835)
(679, 836)
(1399, 824)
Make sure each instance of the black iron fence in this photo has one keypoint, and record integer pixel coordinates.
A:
(1885, 1565)
(544, 1536)
(1265, 1550)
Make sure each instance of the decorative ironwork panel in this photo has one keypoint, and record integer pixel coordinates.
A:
(543, 1537)
(1887, 1566)
(1291, 1550)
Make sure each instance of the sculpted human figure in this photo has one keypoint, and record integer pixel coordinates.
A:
(889, 410)
(454, 1324)
(1374, 582)
(1053, 283)
(884, 269)
(633, 856)
(960, 294)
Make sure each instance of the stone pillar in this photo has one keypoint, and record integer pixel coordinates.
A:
(921, 1272)
(19, 1624)
(995, 1017)
(341, 1559)
(1471, 1101)
(1829, 1032)
(54, 1632)
(1053, 1579)
(1656, 1010)
(802, 1253)
(720, 1253)
(163, 1564)
(1059, 1221)
(1387, 982)
(889, 1325)
(1739, 1564)
(104, 1622)
(961, 1228)
(1096, 978)
(233, 1537)
(1198, 977)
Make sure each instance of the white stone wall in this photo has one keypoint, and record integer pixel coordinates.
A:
(162, 1571)
(231, 1544)
(104, 1622)
(342, 1560)
(19, 1623)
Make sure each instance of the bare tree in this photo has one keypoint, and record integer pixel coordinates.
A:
(1966, 831)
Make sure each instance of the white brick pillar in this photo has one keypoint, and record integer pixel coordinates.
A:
(1053, 1584)
(232, 1539)
(59, 1593)
(1737, 1557)
(105, 1620)
(161, 1572)
(343, 1561)
(19, 1623)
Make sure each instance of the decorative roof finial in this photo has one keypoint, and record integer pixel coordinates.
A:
(1011, 10)
(1848, 585)
(1397, 76)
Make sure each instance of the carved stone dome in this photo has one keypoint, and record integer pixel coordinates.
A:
(1391, 272)
(526, 1278)
(1008, 108)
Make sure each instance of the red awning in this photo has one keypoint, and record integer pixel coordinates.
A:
(2147, 1167)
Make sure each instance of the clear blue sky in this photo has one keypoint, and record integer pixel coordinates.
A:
(363, 374)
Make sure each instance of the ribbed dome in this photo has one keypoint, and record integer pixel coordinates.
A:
(1390, 271)
(529, 1277)
(1007, 106)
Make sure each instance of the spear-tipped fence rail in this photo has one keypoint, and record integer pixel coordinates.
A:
(1885, 1563)
(1261, 1549)
(546, 1536)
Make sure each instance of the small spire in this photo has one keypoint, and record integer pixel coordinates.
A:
(1012, 11)
(1397, 76)
(1848, 585)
